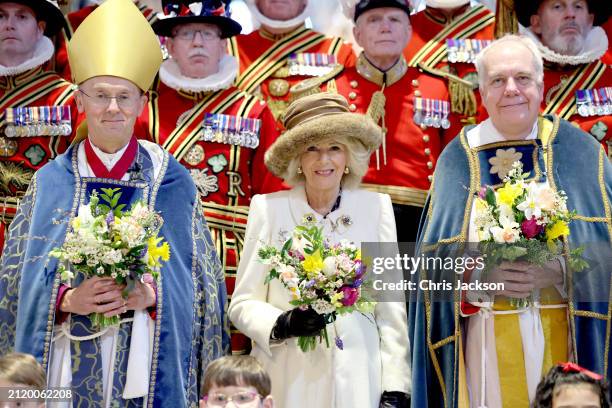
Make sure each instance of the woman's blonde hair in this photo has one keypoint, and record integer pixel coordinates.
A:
(22, 369)
(357, 161)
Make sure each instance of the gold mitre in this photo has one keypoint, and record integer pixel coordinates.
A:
(116, 40)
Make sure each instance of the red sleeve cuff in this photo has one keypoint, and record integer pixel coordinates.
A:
(60, 316)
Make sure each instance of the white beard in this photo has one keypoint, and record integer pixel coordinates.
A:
(446, 4)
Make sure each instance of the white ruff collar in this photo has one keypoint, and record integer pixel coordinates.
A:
(595, 46)
(42, 53)
(445, 4)
(170, 75)
(280, 24)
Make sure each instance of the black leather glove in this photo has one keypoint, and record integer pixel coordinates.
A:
(297, 323)
(394, 399)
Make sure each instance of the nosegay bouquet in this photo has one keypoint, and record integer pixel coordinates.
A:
(523, 221)
(327, 278)
(104, 240)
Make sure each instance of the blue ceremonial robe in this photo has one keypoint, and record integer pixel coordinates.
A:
(579, 167)
(191, 327)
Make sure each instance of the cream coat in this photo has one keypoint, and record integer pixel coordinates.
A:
(375, 355)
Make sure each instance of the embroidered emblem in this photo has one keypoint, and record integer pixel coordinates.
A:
(502, 162)
(205, 183)
(12, 175)
(599, 130)
(278, 87)
(195, 155)
(8, 147)
(217, 162)
(35, 154)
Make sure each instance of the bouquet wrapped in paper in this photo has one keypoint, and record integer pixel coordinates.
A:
(524, 221)
(106, 240)
(327, 278)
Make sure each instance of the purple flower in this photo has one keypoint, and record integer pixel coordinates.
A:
(483, 192)
(310, 283)
(339, 343)
(350, 295)
(110, 218)
(530, 228)
(357, 283)
(359, 269)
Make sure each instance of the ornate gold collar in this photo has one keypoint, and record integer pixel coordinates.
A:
(367, 70)
(8, 82)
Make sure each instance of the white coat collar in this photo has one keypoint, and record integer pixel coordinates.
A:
(337, 221)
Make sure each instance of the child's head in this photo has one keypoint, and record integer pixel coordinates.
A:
(21, 370)
(568, 385)
(239, 378)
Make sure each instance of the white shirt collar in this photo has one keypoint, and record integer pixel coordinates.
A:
(109, 159)
(485, 133)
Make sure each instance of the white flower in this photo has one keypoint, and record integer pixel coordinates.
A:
(299, 243)
(509, 231)
(531, 207)
(322, 307)
(84, 219)
(329, 266)
(287, 272)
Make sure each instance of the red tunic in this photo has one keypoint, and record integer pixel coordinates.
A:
(21, 156)
(75, 19)
(477, 22)
(412, 150)
(599, 126)
(226, 175)
(263, 61)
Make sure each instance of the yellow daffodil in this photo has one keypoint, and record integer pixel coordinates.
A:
(336, 298)
(358, 255)
(312, 264)
(156, 252)
(558, 229)
(508, 193)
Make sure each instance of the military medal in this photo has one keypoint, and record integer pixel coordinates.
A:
(418, 109)
(9, 116)
(311, 64)
(608, 105)
(581, 101)
(428, 121)
(445, 123)
(8, 147)
(436, 114)
(451, 53)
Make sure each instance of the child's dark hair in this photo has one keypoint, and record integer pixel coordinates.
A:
(569, 374)
(237, 371)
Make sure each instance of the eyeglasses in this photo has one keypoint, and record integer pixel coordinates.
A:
(189, 35)
(103, 101)
(241, 398)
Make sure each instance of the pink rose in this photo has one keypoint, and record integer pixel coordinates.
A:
(530, 228)
(350, 295)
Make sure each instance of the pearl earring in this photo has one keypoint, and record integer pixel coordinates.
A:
(347, 170)
(299, 170)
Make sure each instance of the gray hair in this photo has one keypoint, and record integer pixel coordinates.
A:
(357, 160)
(528, 43)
